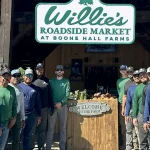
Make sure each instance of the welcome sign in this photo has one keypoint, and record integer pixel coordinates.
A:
(85, 21)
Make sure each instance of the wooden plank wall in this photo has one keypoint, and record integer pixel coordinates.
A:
(93, 133)
(134, 55)
(5, 29)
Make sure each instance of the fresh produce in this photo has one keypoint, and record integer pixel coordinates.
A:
(103, 96)
(78, 95)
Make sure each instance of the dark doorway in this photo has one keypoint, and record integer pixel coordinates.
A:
(101, 76)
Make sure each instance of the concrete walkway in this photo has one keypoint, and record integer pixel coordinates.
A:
(55, 145)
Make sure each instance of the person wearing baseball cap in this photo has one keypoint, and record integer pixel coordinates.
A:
(120, 88)
(60, 92)
(8, 106)
(130, 82)
(131, 131)
(146, 108)
(20, 119)
(46, 103)
(32, 105)
(137, 109)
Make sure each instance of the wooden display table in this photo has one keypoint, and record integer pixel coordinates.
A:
(99, 132)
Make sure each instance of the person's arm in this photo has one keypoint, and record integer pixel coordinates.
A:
(38, 103)
(14, 110)
(135, 104)
(128, 103)
(117, 84)
(50, 97)
(14, 104)
(22, 111)
(124, 98)
(147, 106)
(64, 100)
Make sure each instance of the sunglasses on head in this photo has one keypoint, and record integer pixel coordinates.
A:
(136, 75)
(142, 74)
(29, 75)
(129, 71)
(16, 76)
(59, 69)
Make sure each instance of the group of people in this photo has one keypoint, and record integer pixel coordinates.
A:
(134, 108)
(32, 106)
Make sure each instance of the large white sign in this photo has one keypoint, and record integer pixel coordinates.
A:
(85, 21)
(90, 108)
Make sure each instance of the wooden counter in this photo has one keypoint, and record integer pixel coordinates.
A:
(93, 132)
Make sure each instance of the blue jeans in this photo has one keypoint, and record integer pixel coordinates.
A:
(27, 131)
(4, 136)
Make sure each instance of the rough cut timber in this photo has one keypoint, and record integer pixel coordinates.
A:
(5, 29)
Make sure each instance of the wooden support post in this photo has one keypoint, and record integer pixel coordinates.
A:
(5, 30)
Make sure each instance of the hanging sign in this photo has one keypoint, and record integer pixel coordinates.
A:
(85, 21)
(90, 108)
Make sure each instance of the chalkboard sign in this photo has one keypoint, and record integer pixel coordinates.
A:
(100, 48)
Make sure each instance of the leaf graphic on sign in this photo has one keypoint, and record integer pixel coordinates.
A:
(85, 2)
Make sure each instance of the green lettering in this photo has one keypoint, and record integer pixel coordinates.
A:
(101, 31)
(108, 31)
(71, 38)
(90, 38)
(50, 30)
(120, 22)
(81, 16)
(54, 19)
(114, 31)
(56, 31)
(98, 11)
(84, 38)
(127, 31)
(121, 38)
(84, 30)
(69, 31)
(47, 37)
(127, 38)
(73, 18)
(76, 38)
(121, 31)
(116, 38)
(42, 38)
(108, 21)
(94, 31)
(43, 30)
(111, 39)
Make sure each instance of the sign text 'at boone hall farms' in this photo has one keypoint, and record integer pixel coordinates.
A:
(85, 21)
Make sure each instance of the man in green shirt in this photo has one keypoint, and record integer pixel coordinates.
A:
(120, 88)
(60, 88)
(137, 108)
(8, 106)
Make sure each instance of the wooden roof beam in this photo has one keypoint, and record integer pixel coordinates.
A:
(29, 17)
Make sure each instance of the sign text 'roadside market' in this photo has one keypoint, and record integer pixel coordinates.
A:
(88, 21)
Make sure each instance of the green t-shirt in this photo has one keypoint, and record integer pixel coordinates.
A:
(137, 101)
(60, 90)
(120, 87)
(8, 104)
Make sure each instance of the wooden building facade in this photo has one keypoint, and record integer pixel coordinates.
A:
(15, 44)
(132, 55)
(5, 31)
